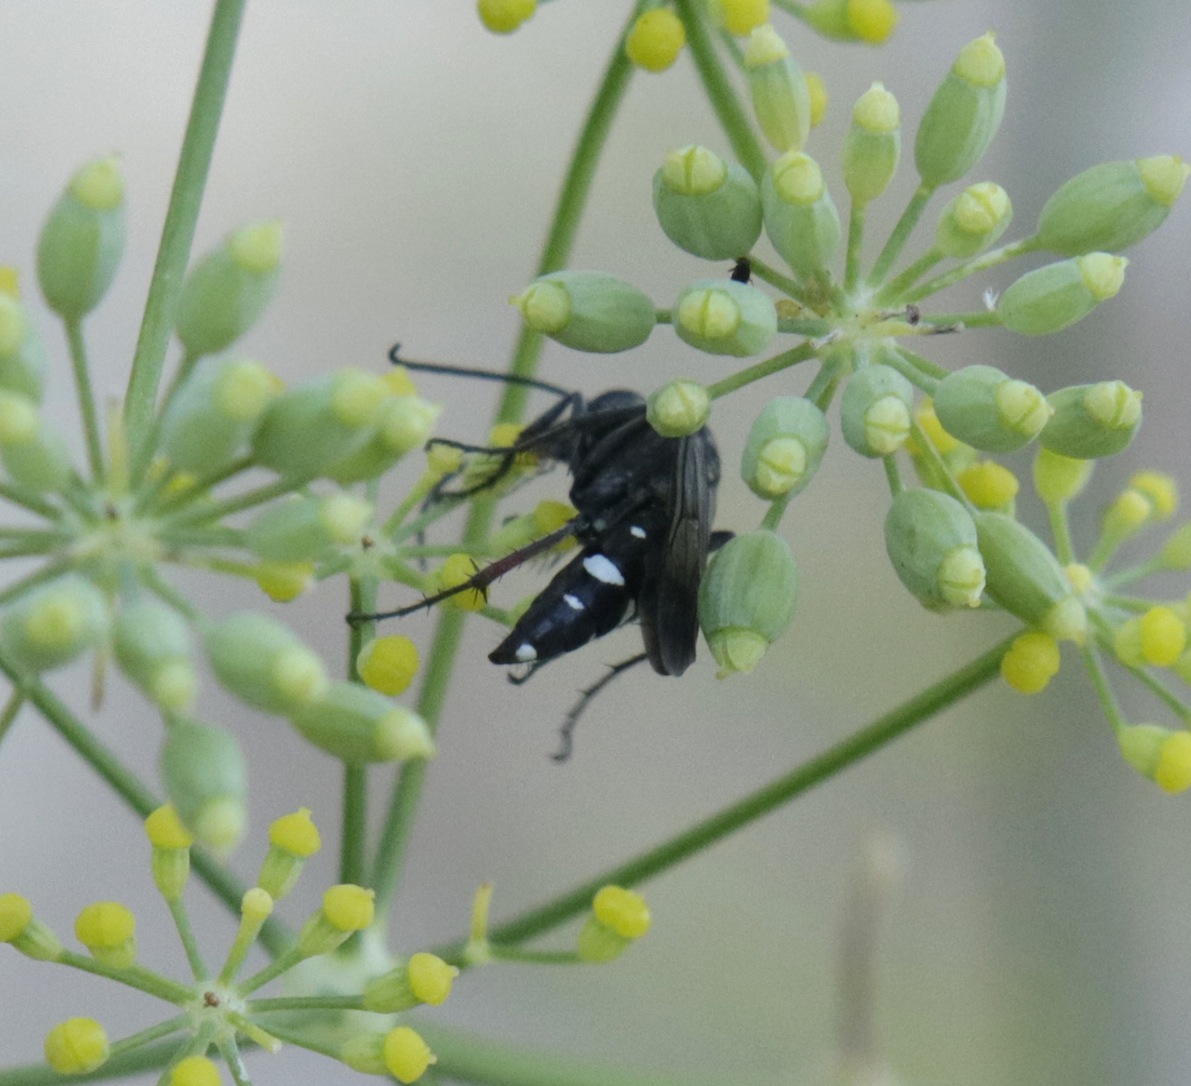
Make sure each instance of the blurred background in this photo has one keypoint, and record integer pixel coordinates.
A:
(1037, 930)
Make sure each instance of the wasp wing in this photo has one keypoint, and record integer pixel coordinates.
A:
(668, 603)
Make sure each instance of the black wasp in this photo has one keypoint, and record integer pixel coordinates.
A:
(644, 505)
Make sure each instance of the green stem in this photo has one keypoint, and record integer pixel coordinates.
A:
(403, 804)
(956, 275)
(770, 366)
(177, 233)
(186, 933)
(304, 1003)
(218, 510)
(977, 318)
(29, 499)
(82, 381)
(732, 116)
(901, 233)
(769, 274)
(1100, 683)
(856, 219)
(464, 1057)
(353, 836)
(856, 747)
(143, 980)
(906, 279)
(135, 794)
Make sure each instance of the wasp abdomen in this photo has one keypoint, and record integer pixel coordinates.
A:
(589, 597)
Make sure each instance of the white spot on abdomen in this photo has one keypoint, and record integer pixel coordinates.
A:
(525, 653)
(637, 532)
(602, 569)
(573, 602)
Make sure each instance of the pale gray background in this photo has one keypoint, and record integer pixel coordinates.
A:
(1039, 934)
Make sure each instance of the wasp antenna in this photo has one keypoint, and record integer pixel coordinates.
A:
(566, 734)
(467, 371)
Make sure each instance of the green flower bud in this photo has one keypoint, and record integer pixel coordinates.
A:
(721, 316)
(26, 933)
(1111, 206)
(747, 599)
(869, 21)
(800, 217)
(263, 663)
(876, 410)
(52, 624)
(425, 978)
(1025, 578)
(588, 311)
(973, 221)
(1057, 478)
(308, 430)
(33, 454)
(203, 771)
(307, 529)
(22, 353)
(873, 144)
(83, 239)
(1050, 298)
(76, 1046)
(356, 725)
(404, 423)
(1162, 755)
(108, 930)
(1092, 421)
(705, 205)
(785, 447)
(227, 290)
(210, 419)
(152, 645)
(1176, 551)
(781, 98)
(679, 409)
(984, 407)
(963, 116)
(170, 857)
(931, 541)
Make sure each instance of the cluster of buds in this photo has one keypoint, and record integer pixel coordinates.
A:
(171, 485)
(218, 1010)
(954, 541)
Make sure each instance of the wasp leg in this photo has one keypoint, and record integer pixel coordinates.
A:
(567, 731)
(482, 578)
